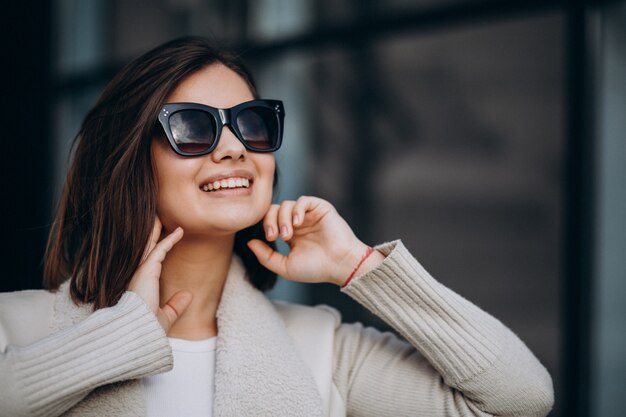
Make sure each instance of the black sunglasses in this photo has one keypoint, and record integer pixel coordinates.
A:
(194, 129)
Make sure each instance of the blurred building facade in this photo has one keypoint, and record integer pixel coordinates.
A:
(486, 135)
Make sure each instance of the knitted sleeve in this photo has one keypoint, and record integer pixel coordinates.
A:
(460, 362)
(113, 344)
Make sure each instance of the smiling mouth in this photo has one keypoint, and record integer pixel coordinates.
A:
(228, 183)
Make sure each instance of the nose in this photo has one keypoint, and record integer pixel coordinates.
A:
(228, 147)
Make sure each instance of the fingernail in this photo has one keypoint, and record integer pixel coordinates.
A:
(283, 231)
(296, 219)
(270, 231)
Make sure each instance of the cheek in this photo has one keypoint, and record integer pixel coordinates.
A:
(265, 167)
(161, 164)
(169, 174)
(268, 169)
(265, 164)
(166, 194)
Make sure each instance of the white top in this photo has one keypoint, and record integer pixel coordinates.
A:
(187, 390)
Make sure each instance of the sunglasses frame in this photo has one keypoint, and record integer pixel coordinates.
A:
(222, 117)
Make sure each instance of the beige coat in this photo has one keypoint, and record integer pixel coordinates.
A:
(275, 358)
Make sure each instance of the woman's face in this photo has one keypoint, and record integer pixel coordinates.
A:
(181, 200)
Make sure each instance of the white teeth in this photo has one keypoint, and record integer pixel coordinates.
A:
(226, 183)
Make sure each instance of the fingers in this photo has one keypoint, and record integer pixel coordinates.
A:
(174, 308)
(269, 258)
(285, 219)
(270, 224)
(278, 221)
(149, 270)
(303, 205)
(281, 219)
(157, 254)
(154, 238)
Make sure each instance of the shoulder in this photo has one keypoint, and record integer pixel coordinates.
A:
(25, 316)
(25, 297)
(298, 316)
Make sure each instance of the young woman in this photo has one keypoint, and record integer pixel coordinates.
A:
(160, 251)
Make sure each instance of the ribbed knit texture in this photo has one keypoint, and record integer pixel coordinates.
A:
(79, 359)
(471, 350)
(460, 361)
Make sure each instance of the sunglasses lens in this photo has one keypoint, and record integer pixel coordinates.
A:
(192, 130)
(259, 127)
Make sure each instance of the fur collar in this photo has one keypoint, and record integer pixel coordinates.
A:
(258, 369)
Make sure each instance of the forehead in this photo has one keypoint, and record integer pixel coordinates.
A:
(215, 85)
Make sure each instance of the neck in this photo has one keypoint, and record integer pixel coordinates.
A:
(199, 266)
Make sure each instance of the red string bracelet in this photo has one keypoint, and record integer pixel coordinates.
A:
(367, 253)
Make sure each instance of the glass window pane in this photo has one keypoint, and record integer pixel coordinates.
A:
(608, 361)
(270, 19)
(80, 40)
(453, 141)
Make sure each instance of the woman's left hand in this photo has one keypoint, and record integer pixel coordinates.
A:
(323, 246)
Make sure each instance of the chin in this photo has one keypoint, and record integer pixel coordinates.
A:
(230, 225)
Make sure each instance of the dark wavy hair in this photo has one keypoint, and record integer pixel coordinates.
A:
(107, 208)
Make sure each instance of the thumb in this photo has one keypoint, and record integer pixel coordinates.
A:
(174, 308)
(268, 257)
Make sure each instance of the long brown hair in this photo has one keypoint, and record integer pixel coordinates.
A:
(108, 204)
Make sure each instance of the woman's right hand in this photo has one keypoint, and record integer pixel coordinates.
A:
(145, 281)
